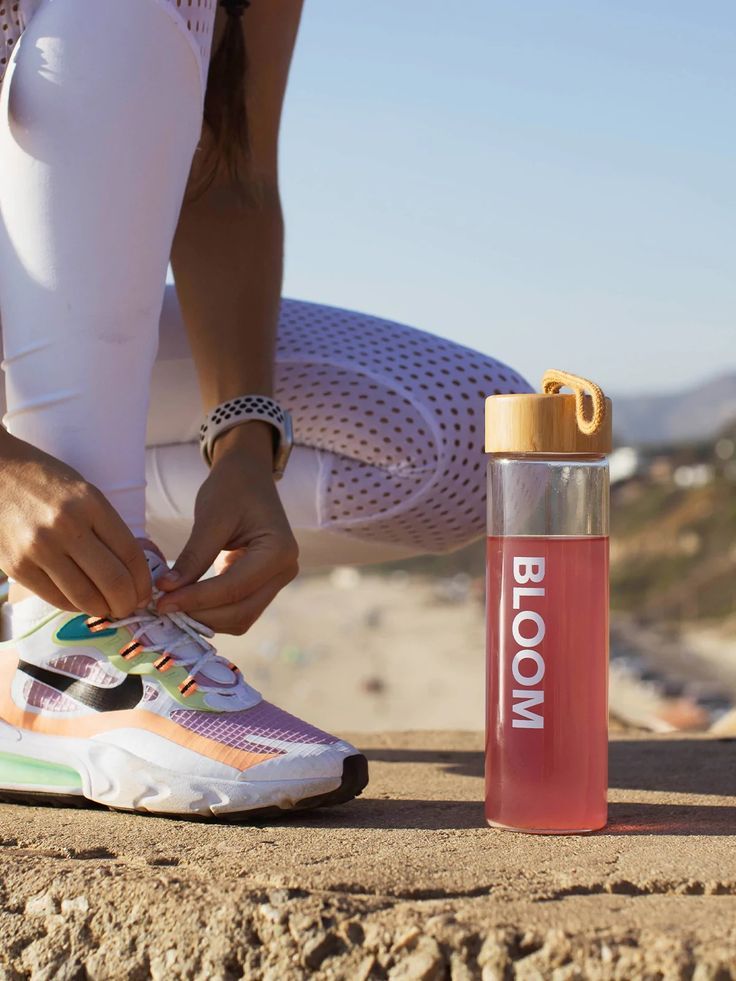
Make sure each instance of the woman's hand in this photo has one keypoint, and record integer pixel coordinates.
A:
(238, 511)
(62, 539)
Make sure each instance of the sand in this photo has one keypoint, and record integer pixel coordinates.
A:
(405, 883)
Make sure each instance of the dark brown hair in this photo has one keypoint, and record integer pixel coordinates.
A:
(225, 111)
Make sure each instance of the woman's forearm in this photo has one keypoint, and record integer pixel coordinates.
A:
(227, 259)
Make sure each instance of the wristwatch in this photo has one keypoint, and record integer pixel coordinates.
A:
(250, 408)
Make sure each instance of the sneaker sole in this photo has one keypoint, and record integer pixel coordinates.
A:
(73, 772)
(353, 783)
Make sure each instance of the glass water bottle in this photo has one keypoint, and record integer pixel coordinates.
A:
(547, 608)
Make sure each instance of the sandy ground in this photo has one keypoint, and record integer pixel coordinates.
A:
(405, 883)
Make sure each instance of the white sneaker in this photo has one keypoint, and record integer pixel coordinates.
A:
(143, 714)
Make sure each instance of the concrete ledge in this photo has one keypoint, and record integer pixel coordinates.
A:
(405, 883)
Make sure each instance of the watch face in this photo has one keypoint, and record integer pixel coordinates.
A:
(286, 443)
(288, 429)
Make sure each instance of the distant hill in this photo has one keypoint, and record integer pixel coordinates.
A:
(673, 549)
(691, 414)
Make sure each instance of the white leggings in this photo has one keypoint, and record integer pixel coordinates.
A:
(100, 113)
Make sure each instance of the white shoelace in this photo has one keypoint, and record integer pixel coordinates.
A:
(191, 632)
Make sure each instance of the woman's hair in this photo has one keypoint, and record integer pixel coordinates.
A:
(225, 111)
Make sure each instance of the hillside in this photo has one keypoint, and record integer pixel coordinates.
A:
(673, 551)
(695, 413)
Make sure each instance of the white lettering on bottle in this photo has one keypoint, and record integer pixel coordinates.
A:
(528, 679)
(526, 702)
(521, 591)
(528, 630)
(534, 569)
(522, 617)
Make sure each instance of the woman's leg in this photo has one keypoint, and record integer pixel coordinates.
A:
(389, 427)
(100, 113)
(99, 118)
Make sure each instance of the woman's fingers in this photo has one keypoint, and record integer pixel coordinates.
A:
(238, 618)
(68, 543)
(76, 587)
(253, 567)
(109, 575)
(38, 582)
(204, 545)
(115, 534)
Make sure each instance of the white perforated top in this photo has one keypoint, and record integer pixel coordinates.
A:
(195, 17)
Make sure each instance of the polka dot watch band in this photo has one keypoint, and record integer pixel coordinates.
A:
(249, 408)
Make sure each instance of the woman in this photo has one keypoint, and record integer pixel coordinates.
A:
(124, 145)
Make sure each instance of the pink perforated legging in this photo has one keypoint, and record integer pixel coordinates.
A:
(389, 427)
(100, 113)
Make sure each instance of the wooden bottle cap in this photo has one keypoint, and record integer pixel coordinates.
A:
(550, 422)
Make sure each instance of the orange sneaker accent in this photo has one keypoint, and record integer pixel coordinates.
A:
(188, 686)
(131, 650)
(95, 624)
(85, 726)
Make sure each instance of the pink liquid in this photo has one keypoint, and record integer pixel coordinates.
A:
(547, 708)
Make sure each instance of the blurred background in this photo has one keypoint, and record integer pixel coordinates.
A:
(553, 185)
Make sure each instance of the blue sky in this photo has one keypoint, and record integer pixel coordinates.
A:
(550, 181)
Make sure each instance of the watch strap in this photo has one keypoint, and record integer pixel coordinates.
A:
(249, 408)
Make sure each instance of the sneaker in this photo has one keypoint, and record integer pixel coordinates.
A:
(142, 714)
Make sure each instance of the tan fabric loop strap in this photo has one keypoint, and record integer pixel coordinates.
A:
(554, 380)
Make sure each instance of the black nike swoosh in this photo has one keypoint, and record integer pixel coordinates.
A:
(126, 695)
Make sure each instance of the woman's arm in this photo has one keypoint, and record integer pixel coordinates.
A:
(227, 254)
(227, 259)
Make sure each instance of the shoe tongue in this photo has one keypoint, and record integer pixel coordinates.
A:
(156, 563)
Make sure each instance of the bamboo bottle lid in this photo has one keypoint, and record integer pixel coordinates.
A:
(550, 422)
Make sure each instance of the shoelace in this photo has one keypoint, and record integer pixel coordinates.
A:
(193, 633)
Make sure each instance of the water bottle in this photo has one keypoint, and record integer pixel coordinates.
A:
(547, 608)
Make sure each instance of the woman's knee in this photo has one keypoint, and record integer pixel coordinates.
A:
(400, 413)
